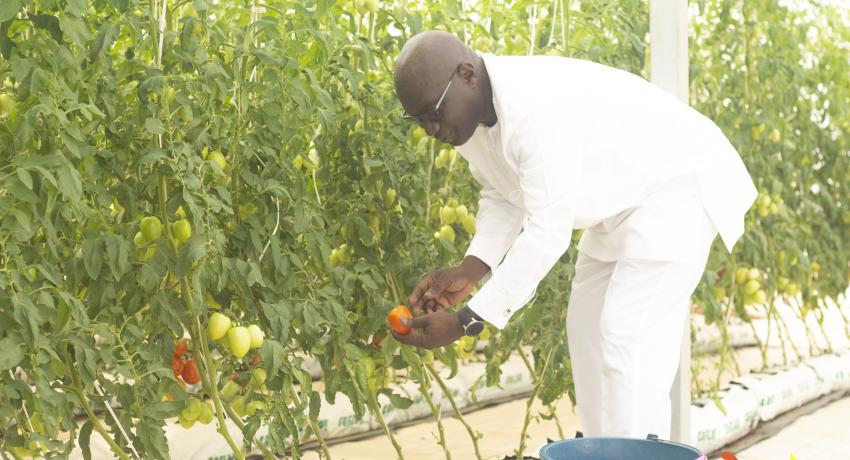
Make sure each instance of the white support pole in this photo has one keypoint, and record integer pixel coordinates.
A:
(668, 26)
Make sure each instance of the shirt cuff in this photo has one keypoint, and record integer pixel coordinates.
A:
(494, 304)
(490, 249)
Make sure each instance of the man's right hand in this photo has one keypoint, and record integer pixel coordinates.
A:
(447, 286)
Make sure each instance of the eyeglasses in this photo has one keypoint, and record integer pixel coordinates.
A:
(433, 114)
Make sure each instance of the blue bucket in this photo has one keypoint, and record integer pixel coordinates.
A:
(618, 449)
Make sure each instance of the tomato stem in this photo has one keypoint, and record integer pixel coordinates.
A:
(77, 389)
(376, 411)
(539, 382)
(424, 389)
(448, 394)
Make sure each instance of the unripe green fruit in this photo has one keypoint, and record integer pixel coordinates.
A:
(151, 228)
(257, 336)
(240, 341)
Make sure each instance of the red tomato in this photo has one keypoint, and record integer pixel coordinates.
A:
(395, 319)
(190, 372)
(181, 347)
(728, 455)
(255, 359)
(177, 365)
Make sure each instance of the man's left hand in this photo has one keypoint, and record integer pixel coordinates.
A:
(432, 330)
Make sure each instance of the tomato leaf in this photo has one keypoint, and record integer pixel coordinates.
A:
(8, 9)
(84, 439)
(154, 126)
(12, 354)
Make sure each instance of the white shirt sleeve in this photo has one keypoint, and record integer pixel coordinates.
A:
(497, 224)
(549, 161)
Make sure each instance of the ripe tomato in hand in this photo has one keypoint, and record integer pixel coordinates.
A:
(396, 317)
(190, 372)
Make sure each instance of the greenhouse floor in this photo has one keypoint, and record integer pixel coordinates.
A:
(821, 434)
(815, 431)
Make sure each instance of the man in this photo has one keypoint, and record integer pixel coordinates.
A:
(561, 144)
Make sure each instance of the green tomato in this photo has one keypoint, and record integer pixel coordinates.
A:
(361, 6)
(752, 287)
(218, 326)
(193, 409)
(754, 274)
(217, 157)
(774, 208)
(468, 224)
(390, 196)
(151, 228)
(334, 258)
(238, 406)
(255, 406)
(418, 133)
(182, 230)
(149, 253)
(774, 135)
(258, 377)
(741, 275)
(442, 159)
(257, 336)
(448, 215)
(185, 422)
(206, 414)
(230, 389)
(239, 340)
(139, 239)
(447, 232)
(7, 105)
(462, 212)
(372, 5)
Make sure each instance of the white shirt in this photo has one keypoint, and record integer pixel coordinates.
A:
(581, 145)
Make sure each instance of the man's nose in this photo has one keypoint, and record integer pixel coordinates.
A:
(431, 127)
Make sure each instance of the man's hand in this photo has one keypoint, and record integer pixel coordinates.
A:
(432, 330)
(447, 286)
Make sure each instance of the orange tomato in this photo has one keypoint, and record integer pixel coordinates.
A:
(726, 455)
(190, 372)
(177, 365)
(181, 347)
(395, 319)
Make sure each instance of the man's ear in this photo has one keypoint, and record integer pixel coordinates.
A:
(468, 73)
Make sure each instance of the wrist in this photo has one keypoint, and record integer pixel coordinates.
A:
(470, 322)
(474, 267)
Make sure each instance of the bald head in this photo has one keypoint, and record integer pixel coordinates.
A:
(424, 67)
(425, 64)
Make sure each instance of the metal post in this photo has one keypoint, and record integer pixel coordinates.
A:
(668, 25)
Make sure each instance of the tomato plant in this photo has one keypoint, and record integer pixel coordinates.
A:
(245, 179)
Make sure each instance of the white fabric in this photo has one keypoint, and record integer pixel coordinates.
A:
(582, 145)
(625, 322)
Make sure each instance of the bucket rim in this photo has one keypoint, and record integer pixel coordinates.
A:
(620, 438)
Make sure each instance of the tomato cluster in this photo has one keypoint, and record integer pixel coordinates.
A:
(182, 367)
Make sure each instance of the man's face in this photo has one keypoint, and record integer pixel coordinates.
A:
(447, 112)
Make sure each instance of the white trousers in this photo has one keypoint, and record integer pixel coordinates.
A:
(625, 324)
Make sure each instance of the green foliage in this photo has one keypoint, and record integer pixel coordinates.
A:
(276, 133)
